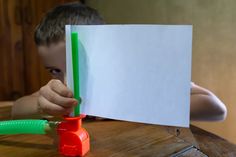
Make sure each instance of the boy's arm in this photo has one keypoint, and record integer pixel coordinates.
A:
(205, 106)
(26, 107)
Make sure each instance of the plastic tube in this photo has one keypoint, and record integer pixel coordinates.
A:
(23, 127)
(75, 65)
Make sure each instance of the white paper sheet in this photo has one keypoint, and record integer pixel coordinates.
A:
(138, 73)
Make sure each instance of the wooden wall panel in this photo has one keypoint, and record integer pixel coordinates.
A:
(21, 71)
(11, 60)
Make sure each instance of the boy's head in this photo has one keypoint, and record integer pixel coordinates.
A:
(50, 33)
(51, 29)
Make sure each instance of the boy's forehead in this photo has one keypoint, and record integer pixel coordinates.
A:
(52, 48)
(53, 55)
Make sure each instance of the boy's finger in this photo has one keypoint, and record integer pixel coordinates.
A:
(55, 98)
(60, 88)
(51, 108)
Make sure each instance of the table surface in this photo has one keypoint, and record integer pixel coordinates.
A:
(122, 139)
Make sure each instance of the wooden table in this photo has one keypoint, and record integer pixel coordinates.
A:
(124, 139)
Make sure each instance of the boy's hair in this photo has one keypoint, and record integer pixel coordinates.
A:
(51, 29)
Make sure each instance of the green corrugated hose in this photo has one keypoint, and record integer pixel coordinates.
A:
(24, 127)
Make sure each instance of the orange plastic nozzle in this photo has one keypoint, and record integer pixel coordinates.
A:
(73, 139)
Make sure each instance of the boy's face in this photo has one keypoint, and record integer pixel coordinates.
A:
(54, 59)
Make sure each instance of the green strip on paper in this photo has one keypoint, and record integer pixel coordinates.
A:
(75, 65)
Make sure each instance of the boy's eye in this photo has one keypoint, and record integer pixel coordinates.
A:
(55, 71)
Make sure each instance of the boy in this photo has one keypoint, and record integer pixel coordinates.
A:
(56, 99)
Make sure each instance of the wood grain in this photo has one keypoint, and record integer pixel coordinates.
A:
(212, 144)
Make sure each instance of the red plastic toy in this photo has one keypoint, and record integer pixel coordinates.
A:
(73, 139)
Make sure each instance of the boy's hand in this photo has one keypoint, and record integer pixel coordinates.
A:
(56, 99)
